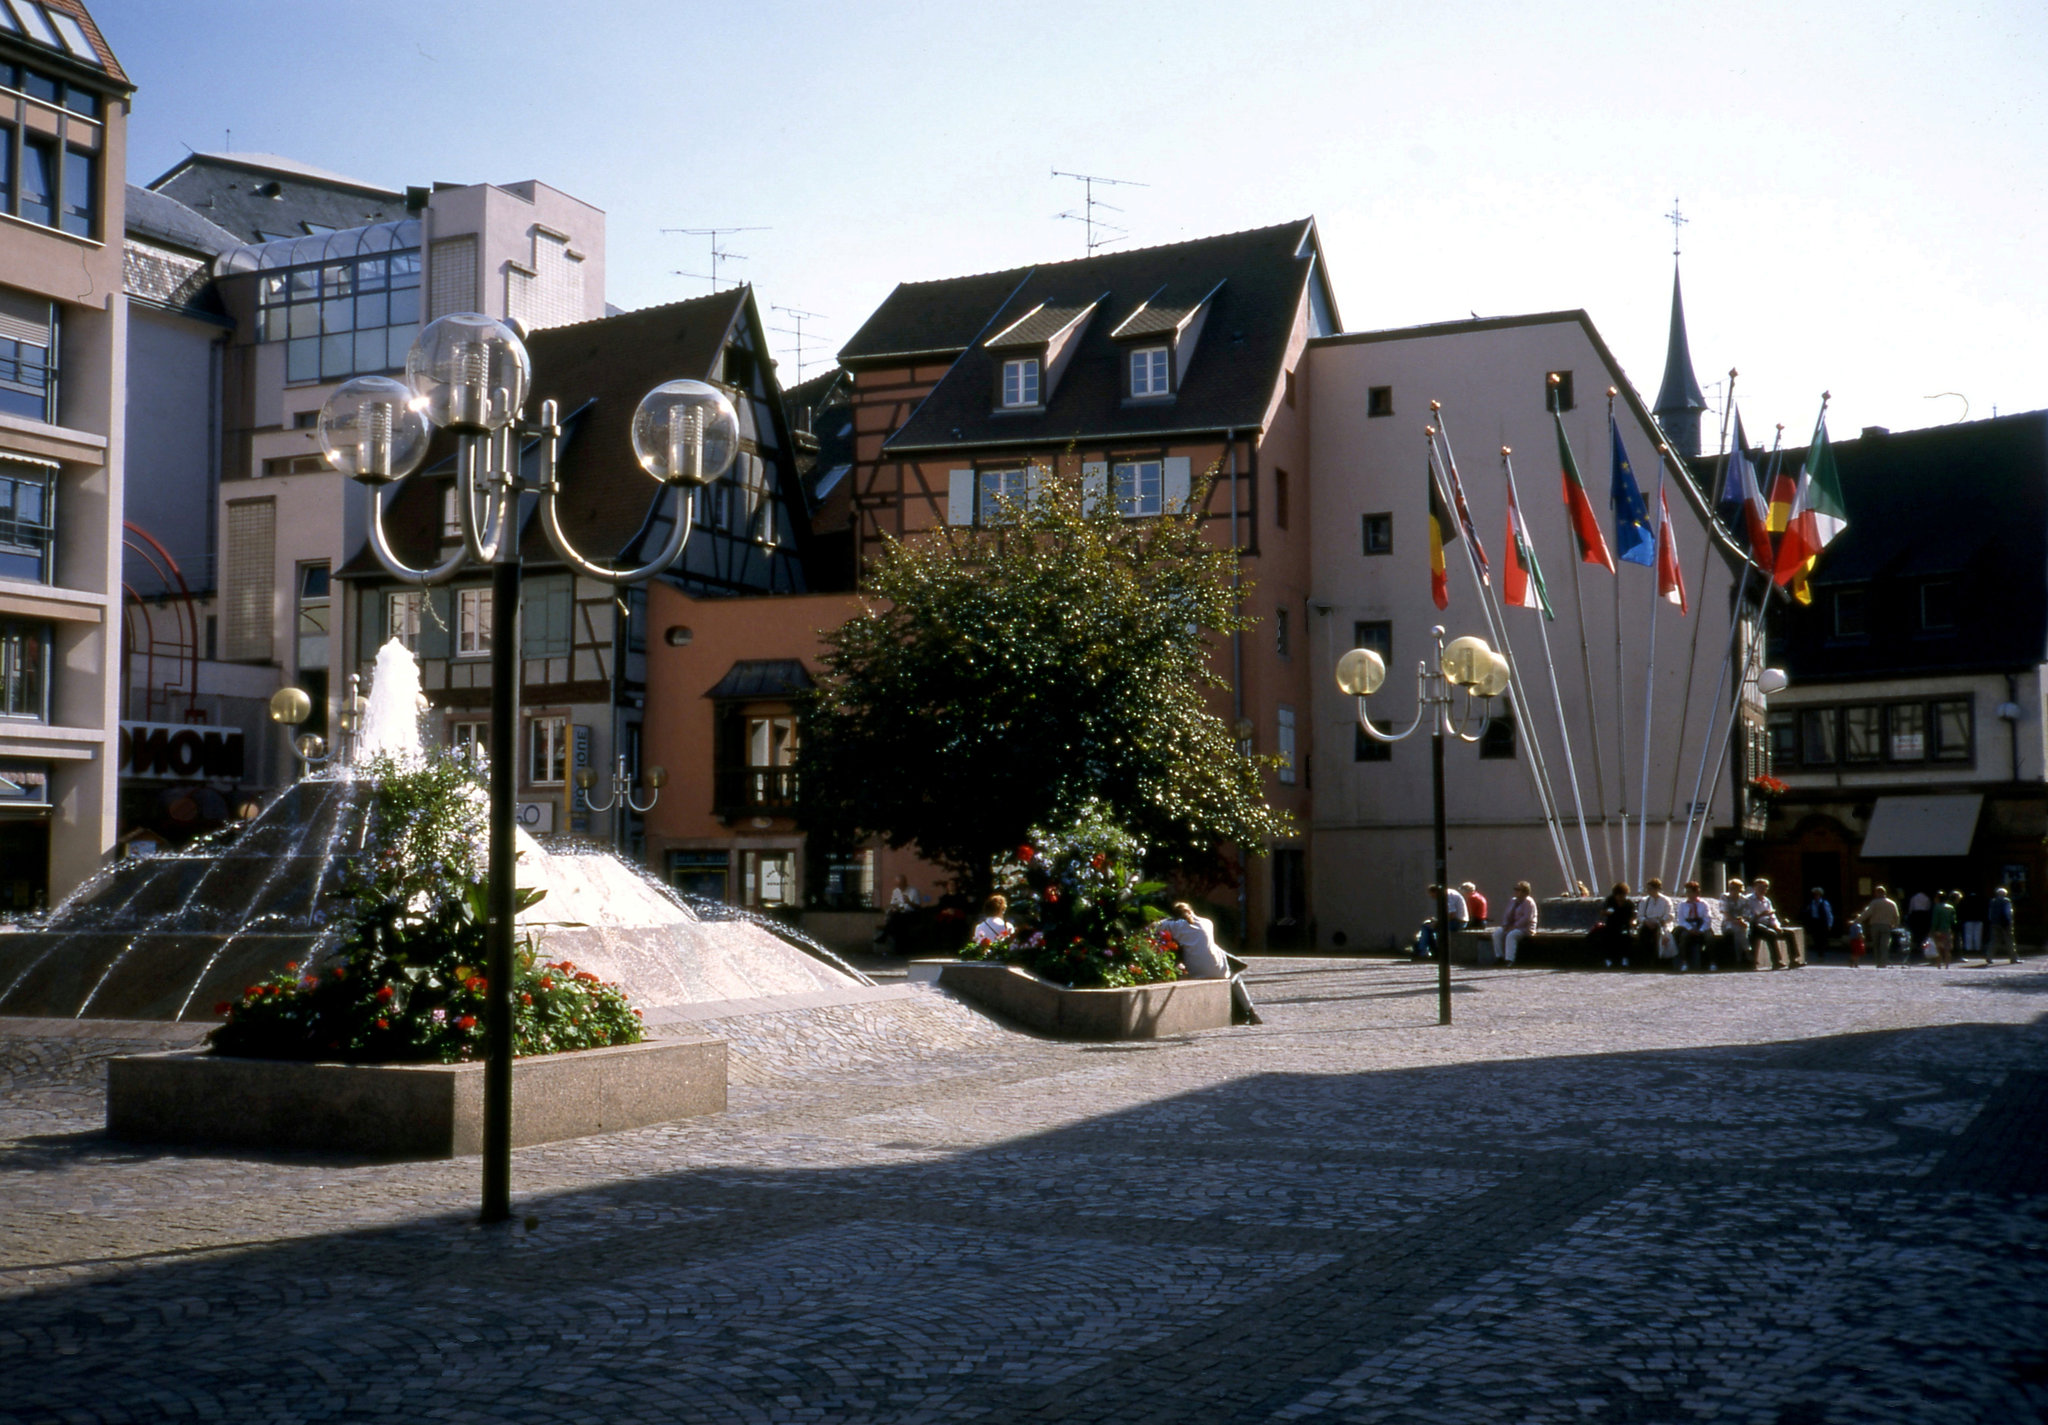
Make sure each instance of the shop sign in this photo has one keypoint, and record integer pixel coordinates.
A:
(180, 752)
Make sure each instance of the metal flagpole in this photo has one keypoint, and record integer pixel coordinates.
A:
(1751, 658)
(1650, 682)
(1563, 726)
(1688, 852)
(1497, 629)
(1692, 659)
(1620, 703)
(1592, 714)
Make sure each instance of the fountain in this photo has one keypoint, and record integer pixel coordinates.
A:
(169, 936)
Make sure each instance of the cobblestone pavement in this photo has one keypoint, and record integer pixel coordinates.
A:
(1803, 1198)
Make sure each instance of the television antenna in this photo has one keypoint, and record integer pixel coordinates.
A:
(1089, 203)
(798, 316)
(718, 254)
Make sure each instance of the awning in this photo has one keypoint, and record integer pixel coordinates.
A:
(1922, 826)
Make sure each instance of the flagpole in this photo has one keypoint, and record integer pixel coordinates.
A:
(1563, 726)
(1497, 628)
(1650, 673)
(1692, 658)
(1688, 851)
(1586, 668)
(1751, 658)
(1620, 664)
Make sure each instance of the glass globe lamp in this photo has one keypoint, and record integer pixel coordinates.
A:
(371, 430)
(470, 371)
(686, 433)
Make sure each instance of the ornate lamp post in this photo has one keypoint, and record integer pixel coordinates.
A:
(621, 794)
(468, 373)
(1481, 674)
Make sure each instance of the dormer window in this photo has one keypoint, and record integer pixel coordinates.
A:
(1149, 372)
(1020, 383)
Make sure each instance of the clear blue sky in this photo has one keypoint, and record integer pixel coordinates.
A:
(1865, 181)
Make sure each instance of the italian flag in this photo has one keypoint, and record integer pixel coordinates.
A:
(1521, 578)
(1585, 524)
(1670, 579)
(1818, 515)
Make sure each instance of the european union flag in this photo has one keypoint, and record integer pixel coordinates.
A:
(1635, 539)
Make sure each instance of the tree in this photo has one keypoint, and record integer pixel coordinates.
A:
(1001, 677)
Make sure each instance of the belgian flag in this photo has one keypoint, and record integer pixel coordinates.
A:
(1443, 531)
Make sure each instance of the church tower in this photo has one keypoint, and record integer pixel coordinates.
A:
(1679, 401)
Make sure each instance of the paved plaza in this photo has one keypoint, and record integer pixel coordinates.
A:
(1780, 1199)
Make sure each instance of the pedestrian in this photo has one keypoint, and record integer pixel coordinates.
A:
(1475, 907)
(993, 926)
(1695, 928)
(1764, 928)
(1653, 924)
(904, 897)
(1941, 927)
(1919, 920)
(1818, 919)
(1970, 910)
(1610, 938)
(1880, 921)
(1998, 919)
(1516, 925)
(1734, 923)
(1206, 958)
(1454, 904)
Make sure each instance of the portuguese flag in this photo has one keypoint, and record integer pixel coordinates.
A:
(1817, 515)
(1443, 530)
(1585, 523)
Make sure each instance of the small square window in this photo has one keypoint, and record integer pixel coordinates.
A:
(1497, 743)
(1020, 383)
(1376, 634)
(471, 741)
(1908, 732)
(1861, 739)
(305, 420)
(1379, 534)
(1367, 748)
(1379, 401)
(402, 612)
(1557, 391)
(1149, 372)
(1784, 729)
(1140, 488)
(1851, 613)
(997, 486)
(1817, 738)
(1952, 730)
(547, 751)
(472, 623)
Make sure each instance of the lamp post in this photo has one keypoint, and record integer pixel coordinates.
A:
(1473, 668)
(621, 795)
(468, 374)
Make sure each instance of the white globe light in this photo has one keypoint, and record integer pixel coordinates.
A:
(371, 430)
(1360, 672)
(1468, 662)
(471, 371)
(686, 433)
(1495, 680)
(1771, 680)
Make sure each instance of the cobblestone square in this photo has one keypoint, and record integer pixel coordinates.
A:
(1806, 1198)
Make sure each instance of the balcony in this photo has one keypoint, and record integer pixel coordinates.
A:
(754, 791)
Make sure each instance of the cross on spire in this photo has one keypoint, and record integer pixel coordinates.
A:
(1677, 221)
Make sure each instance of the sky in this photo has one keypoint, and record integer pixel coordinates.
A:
(1863, 182)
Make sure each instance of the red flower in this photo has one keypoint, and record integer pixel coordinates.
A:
(383, 1023)
(253, 992)
(384, 995)
(546, 983)
(1100, 861)
(1052, 893)
(340, 973)
(468, 1021)
(1025, 853)
(293, 966)
(223, 1007)
(526, 999)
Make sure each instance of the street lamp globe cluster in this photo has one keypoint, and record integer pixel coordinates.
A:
(469, 374)
(1478, 672)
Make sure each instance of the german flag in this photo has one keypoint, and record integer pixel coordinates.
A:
(1443, 531)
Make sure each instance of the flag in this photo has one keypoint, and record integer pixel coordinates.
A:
(1741, 488)
(1817, 515)
(1465, 518)
(1784, 489)
(1585, 524)
(1633, 538)
(1670, 579)
(1521, 577)
(1443, 531)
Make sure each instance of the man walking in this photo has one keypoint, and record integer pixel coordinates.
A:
(1998, 918)
(1818, 918)
(1880, 922)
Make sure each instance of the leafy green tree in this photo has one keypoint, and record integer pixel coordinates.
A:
(1002, 677)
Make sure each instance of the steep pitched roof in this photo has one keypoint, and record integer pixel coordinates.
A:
(1680, 390)
(261, 197)
(1257, 278)
(102, 57)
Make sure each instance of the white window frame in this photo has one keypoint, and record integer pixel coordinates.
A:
(1013, 482)
(1283, 745)
(1020, 383)
(1140, 487)
(471, 739)
(472, 623)
(404, 612)
(547, 750)
(1151, 372)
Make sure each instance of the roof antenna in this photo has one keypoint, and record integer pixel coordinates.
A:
(718, 254)
(230, 142)
(1089, 203)
(798, 315)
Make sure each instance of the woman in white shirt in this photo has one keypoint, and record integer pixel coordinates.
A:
(1653, 923)
(1197, 940)
(993, 926)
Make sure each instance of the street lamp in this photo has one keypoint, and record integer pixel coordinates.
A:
(621, 792)
(1481, 674)
(468, 374)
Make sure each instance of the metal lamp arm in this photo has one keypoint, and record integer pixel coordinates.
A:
(551, 520)
(483, 535)
(380, 544)
(1422, 708)
(1465, 719)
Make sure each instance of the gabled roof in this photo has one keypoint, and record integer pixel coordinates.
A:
(1164, 312)
(1258, 279)
(1042, 323)
(261, 197)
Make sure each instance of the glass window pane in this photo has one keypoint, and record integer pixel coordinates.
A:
(1818, 737)
(303, 319)
(405, 306)
(1860, 735)
(338, 315)
(302, 359)
(370, 350)
(1908, 732)
(337, 354)
(81, 101)
(372, 310)
(398, 341)
(1952, 730)
(81, 192)
(38, 182)
(73, 35)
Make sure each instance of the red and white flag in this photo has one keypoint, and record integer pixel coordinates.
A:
(1670, 579)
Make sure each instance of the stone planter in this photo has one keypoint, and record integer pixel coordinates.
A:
(407, 1110)
(927, 972)
(1140, 1012)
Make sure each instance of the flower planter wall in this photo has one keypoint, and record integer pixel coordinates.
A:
(1139, 1012)
(407, 1110)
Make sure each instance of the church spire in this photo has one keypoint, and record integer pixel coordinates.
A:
(1679, 400)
